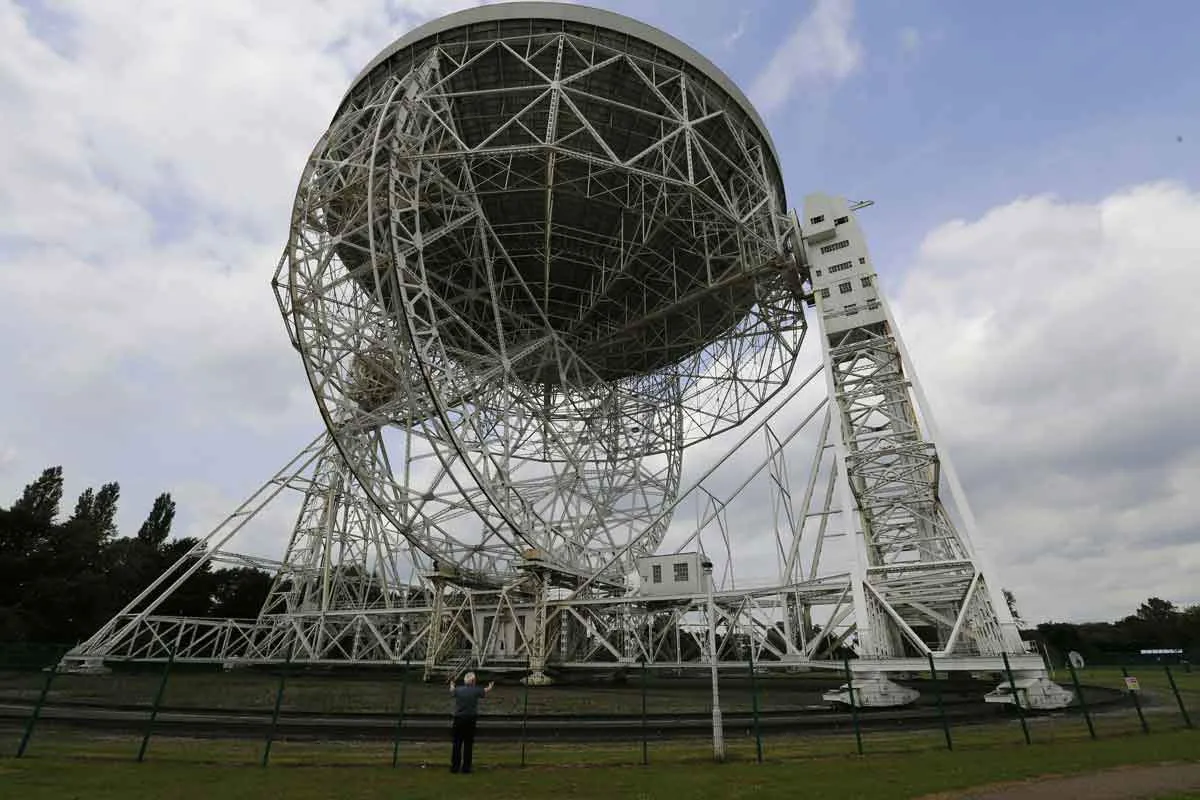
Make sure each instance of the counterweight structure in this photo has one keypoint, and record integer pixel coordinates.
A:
(540, 256)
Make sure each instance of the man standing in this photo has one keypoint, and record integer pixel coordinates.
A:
(466, 713)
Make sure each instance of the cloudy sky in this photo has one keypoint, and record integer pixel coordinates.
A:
(1035, 169)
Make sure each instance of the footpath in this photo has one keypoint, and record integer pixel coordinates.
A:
(1122, 783)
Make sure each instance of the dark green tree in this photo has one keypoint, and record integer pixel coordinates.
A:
(1010, 599)
(40, 500)
(98, 510)
(60, 581)
(239, 592)
(1157, 611)
(104, 512)
(85, 506)
(52, 575)
(157, 527)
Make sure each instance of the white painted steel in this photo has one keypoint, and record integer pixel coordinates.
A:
(539, 253)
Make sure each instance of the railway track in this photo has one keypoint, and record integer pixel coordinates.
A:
(299, 725)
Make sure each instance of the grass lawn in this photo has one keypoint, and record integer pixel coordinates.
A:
(1153, 680)
(879, 775)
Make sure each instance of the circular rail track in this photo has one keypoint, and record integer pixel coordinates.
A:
(962, 705)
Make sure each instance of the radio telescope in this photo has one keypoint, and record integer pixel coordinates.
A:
(531, 260)
(540, 255)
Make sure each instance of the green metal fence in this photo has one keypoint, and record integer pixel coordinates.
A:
(288, 714)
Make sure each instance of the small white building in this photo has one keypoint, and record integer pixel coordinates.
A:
(671, 574)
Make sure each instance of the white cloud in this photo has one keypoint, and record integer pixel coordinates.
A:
(734, 36)
(265, 536)
(8, 456)
(150, 153)
(821, 50)
(1055, 342)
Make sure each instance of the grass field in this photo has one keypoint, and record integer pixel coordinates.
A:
(883, 776)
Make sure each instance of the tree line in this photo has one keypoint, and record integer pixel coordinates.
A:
(1156, 625)
(63, 578)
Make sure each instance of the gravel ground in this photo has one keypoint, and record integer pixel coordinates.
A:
(1123, 783)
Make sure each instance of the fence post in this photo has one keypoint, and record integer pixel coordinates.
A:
(1137, 703)
(1016, 694)
(645, 749)
(162, 688)
(1187, 720)
(937, 693)
(37, 708)
(400, 719)
(524, 720)
(283, 673)
(853, 707)
(1087, 714)
(754, 705)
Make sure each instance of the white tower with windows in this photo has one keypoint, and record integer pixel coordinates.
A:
(842, 275)
(921, 586)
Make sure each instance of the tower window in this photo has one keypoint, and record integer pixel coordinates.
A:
(862, 260)
(824, 293)
(844, 287)
(841, 220)
(656, 573)
(816, 220)
(866, 281)
(681, 572)
(829, 248)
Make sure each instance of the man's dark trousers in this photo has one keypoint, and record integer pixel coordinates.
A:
(463, 731)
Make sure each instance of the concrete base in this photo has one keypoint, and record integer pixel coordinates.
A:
(1035, 692)
(872, 691)
(537, 678)
(84, 666)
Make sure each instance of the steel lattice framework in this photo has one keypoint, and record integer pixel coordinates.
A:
(549, 256)
(540, 253)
